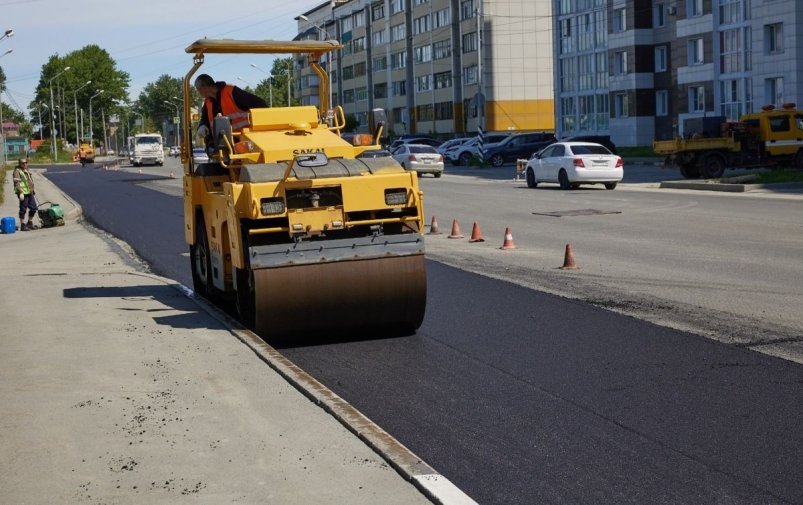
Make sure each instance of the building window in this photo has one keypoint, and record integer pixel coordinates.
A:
(398, 60)
(347, 48)
(568, 74)
(348, 73)
(424, 112)
(442, 49)
(603, 112)
(421, 24)
(661, 102)
(602, 70)
(660, 59)
(731, 50)
(619, 20)
(731, 11)
(696, 55)
(416, 3)
(773, 38)
(378, 11)
(620, 63)
(443, 80)
(565, 34)
(658, 14)
(567, 119)
(469, 42)
(696, 99)
(773, 91)
(442, 18)
(621, 105)
(359, 44)
(378, 37)
(470, 75)
(585, 64)
(443, 111)
(695, 8)
(397, 32)
(584, 25)
(348, 96)
(381, 90)
(380, 63)
(396, 6)
(359, 18)
(360, 94)
(466, 9)
(423, 83)
(346, 24)
(399, 88)
(359, 69)
(422, 54)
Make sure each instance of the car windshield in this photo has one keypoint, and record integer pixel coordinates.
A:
(148, 140)
(423, 149)
(589, 149)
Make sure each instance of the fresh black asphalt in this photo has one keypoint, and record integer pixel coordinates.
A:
(520, 397)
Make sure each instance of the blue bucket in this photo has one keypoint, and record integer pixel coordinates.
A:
(8, 225)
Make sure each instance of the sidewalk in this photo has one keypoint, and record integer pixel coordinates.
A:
(118, 387)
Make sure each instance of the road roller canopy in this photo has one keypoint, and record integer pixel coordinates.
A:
(231, 46)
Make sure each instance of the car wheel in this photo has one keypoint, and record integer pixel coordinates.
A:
(464, 159)
(497, 160)
(689, 171)
(563, 178)
(531, 182)
(712, 166)
(610, 185)
(437, 174)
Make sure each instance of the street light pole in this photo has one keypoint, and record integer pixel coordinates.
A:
(75, 108)
(177, 117)
(270, 83)
(91, 131)
(39, 109)
(53, 147)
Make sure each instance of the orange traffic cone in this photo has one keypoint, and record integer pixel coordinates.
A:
(476, 235)
(508, 243)
(434, 229)
(456, 230)
(568, 259)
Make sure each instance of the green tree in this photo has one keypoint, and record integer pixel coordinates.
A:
(90, 63)
(281, 72)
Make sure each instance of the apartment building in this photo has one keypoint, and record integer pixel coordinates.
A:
(637, 69)
(436, 66)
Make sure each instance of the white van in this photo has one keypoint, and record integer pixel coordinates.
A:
(147, 148)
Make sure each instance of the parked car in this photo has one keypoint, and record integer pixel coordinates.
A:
(462, 154)
(199, 155)
(420, 158)
(451, 144)
(605, 140)
(426, 141)
(520, 145)
(573, 163)
(374, 153)
(175, 151)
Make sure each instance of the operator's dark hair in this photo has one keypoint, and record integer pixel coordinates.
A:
(204, 80)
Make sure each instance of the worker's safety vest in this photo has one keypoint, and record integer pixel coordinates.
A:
(25, 184)
(238, 117)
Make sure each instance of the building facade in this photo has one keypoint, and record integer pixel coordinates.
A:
(441, 67)
(637, 69)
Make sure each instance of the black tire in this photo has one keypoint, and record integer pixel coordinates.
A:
(712, 166)
(437, 174)
(689, 171)
(464, 159)
(799, 160)
(531, 182)
(497, 160)
(610, 185)
(201, 261)
(563, 178)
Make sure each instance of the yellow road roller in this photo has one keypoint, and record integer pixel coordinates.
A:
(288, 220)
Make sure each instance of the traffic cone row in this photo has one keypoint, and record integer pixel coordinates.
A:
(569, 262)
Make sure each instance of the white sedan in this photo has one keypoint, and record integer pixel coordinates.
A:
(573, 163)
(419, 158)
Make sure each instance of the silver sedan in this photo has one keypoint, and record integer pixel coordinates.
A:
(419, 158)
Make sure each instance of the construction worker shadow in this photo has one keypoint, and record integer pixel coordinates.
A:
(153, 299)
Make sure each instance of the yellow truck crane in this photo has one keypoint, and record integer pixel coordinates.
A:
(767, 138)
(286, 218)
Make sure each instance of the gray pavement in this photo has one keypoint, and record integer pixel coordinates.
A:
(119, 386)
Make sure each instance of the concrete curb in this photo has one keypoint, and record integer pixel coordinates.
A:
(72, 210)
(433, 485)
(728, 187)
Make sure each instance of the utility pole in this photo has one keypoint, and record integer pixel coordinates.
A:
(54, 148)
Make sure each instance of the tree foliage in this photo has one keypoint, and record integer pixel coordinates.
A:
(152, 100)
(90, 63)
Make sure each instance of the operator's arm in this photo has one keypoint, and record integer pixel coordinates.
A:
(246, 100)
(17, 179)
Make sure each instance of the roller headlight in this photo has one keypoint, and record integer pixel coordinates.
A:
(396, 196)
(272, 206)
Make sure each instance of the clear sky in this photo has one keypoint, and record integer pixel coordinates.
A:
(146, 38)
